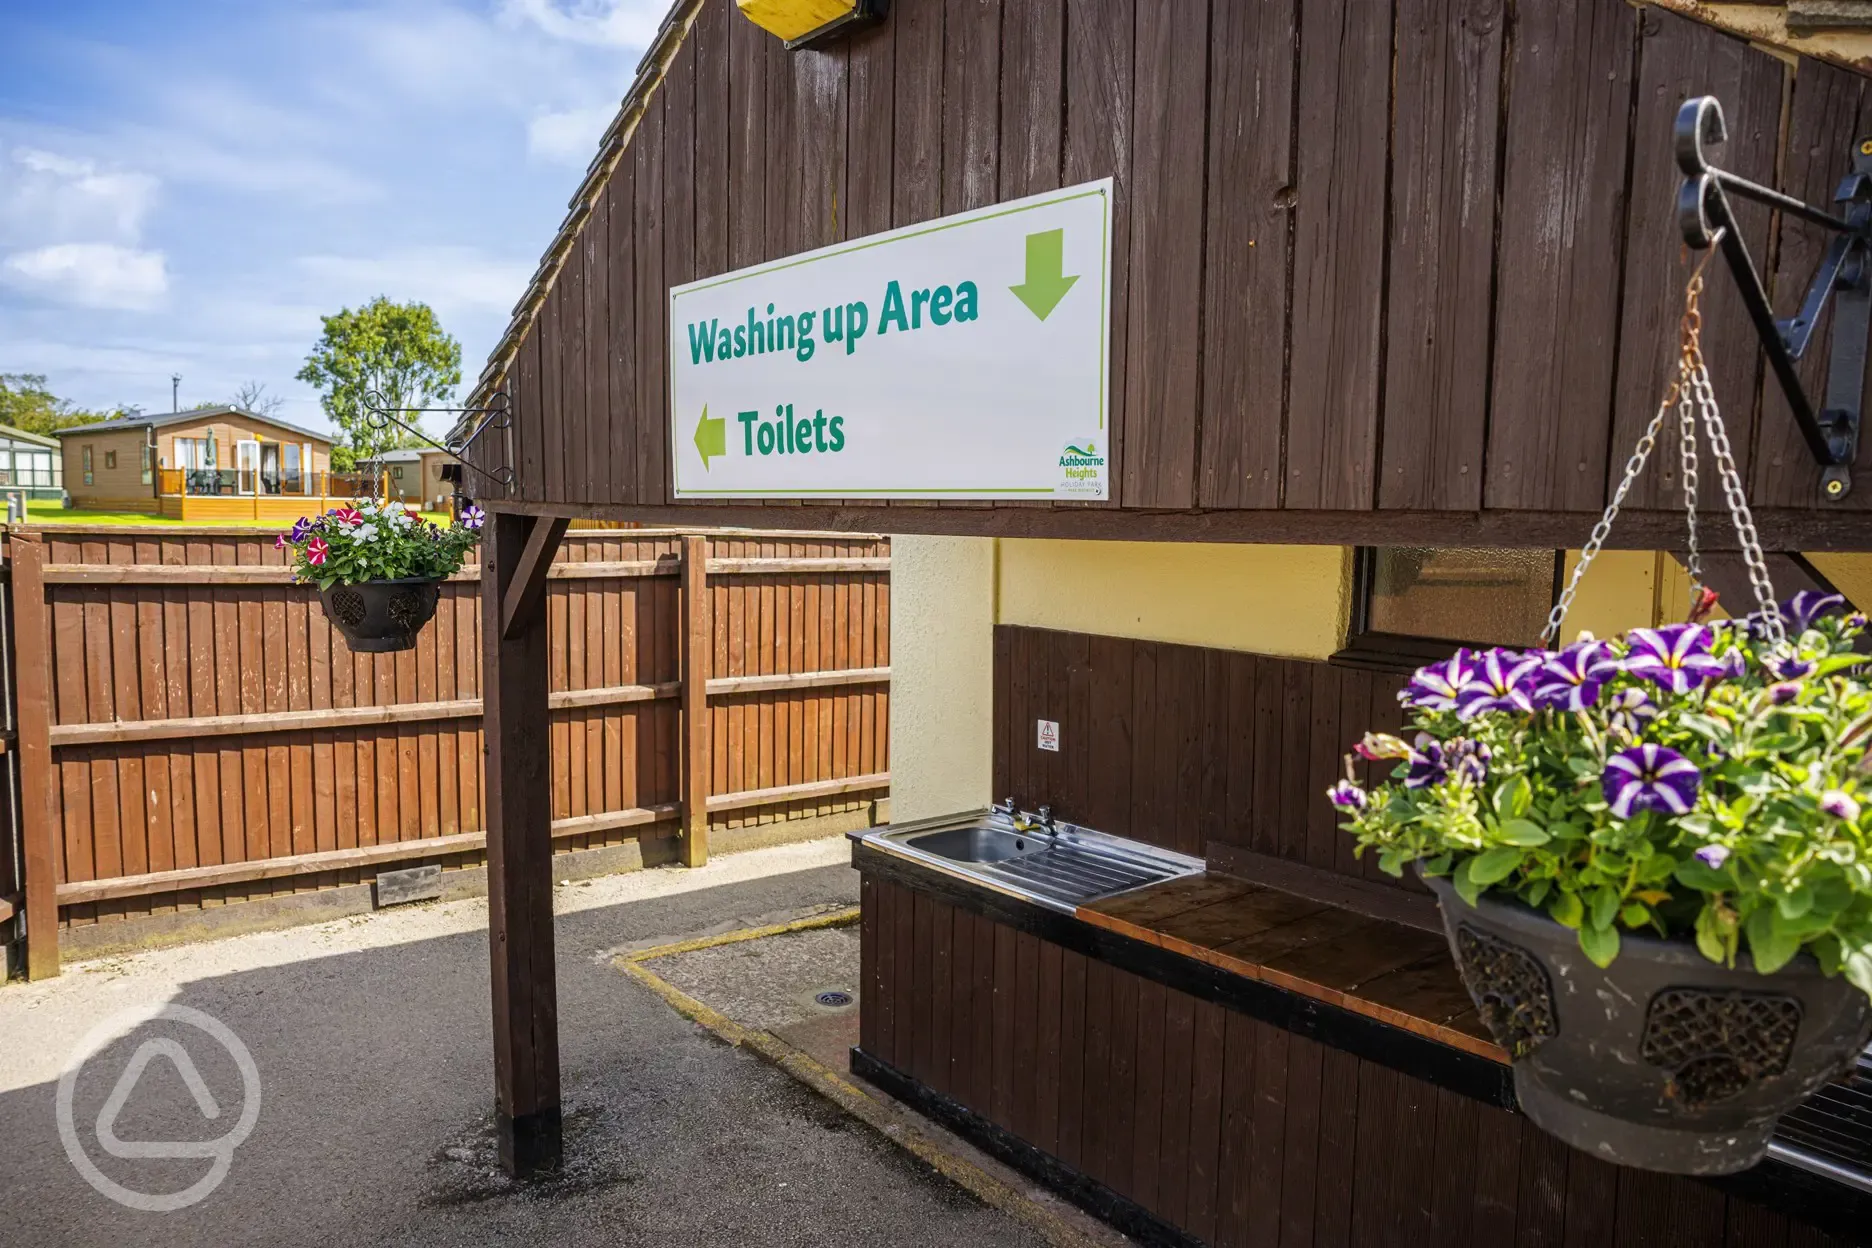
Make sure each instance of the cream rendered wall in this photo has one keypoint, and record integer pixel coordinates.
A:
(1291, 601)
(942, 675)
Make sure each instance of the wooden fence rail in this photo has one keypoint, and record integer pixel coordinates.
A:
(191, 731)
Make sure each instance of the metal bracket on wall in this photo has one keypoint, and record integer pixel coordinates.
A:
(1704, 216)
(495, 414)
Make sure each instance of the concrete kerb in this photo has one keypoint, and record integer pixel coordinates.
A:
(896, 1125)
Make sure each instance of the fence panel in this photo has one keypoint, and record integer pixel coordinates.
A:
(212, 738)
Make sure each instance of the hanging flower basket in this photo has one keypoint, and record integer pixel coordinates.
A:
(379, 568)
(1653, 854)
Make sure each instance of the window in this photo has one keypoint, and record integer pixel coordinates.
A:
(195, 453)
(396, 470)
(85, 454)
(110, 459)
(1414, 604)
(149, 465)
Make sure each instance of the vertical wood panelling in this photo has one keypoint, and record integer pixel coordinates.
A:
(713, 139)
(1250, 183)
(594, 243)
(1829, 110)
(1679, 58)
(651, 320)
(1163, 360)
(1232, 1129)
(1338, 258)
(1562, 234)
(1346, 257)
(1097, 144)
(1181, 746)
(747, 142)
(819, 102)
(917, 147)
(1032, 91)
(622, 346)
(870, 101)
(971, 103)
(1443, 182)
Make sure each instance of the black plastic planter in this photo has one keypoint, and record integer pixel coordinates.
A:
(379, 617)
(1663, 1060)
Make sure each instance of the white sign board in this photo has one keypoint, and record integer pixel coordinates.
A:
(965, 357)
(1049, 735)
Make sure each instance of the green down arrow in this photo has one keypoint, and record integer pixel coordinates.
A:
(711, 436)
(1046, 284)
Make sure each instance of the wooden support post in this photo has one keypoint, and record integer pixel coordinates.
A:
(698, 641)
(519, 840)
(32, 670)
(528, 587)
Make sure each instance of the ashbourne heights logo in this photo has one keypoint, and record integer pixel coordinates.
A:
(1082, 468)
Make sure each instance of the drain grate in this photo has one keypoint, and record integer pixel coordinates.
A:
(833, 998)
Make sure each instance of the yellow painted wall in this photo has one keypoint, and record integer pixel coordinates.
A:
(1850, 574)
(1292, 601)
(942, 675)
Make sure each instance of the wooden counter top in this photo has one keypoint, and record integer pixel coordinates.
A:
(1385, 970)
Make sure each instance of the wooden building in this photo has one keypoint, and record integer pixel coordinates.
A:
(206, 463)
(1393, 289)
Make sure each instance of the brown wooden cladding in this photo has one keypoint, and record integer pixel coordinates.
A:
(124, 654)
(1183, 746)
(1412, 255)
(1233, 1129)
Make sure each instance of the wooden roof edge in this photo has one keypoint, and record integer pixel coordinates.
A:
(651, 70)
(1766, 25)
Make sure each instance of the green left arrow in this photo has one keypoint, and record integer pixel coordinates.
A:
(711, 436)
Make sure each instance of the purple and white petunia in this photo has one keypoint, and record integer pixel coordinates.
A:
(1809, 605)
(1676, 657)
(1713, 856)
(1571, 679)
(1435, 687)
(472, 517)
(1840, 805)
(1783, 693)
(1346, 796)
(1502, 681)
(1791, 667)
(1650, 777)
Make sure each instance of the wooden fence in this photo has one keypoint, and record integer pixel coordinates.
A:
(192, 730)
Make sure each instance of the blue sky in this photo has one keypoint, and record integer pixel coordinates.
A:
(185, 185)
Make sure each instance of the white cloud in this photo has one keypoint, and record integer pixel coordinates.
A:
(569, 137)
(609, 23)
(446, 278)
(91, 275)
(49, 197)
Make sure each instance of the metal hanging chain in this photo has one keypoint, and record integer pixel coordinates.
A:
(1772, 624)
(1692, 395)
(1687, 463)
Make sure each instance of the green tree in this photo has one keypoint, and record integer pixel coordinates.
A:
(398, 350)
(25, 403)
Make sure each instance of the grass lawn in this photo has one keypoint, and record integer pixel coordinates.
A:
(49, 512)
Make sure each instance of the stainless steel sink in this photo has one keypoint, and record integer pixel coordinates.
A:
(1061, 869)
(976, 844)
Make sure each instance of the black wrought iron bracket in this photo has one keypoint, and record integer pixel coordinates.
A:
(1704, 215)
(497, 413)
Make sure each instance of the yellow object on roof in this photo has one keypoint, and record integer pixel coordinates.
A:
(791, 19)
